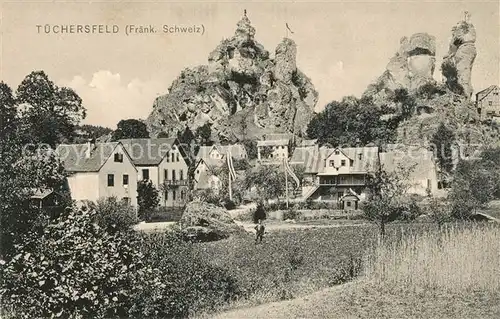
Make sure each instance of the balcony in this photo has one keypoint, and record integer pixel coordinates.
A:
(170, 182)
(347, 181)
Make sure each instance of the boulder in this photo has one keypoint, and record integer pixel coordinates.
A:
(203, 221)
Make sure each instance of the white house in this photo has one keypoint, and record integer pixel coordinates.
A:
(218, 152)
(163, 161)
(272, 150)
(205, 174)
(99, 170)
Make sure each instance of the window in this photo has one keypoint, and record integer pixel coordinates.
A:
(165, 174)
(337, 152)
(181, 174)
(348, 204)
(332, 163)
(360, 156)
(118, 158)
(173, 195)
(145, 173)
(177, 156)
(351, 163)
(173, 175)
(125, 179)
(197, 171)
(183, 194)
(168, 157)
(342, 163)
(490, 103)
(166, 195)
(111, 180)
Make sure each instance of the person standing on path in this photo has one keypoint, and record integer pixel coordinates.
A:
(259, 228)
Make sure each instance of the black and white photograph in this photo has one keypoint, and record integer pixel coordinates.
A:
(249, 159)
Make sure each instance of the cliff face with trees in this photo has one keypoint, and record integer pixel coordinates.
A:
(243, 92)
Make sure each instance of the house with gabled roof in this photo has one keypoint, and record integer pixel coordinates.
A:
(99, 170)
(218, 152)
(163, 161)
(488, 103)
(205, 174)
(272, 150)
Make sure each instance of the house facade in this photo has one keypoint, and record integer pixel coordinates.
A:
(163, 161)
(205, 176)
(340, 174)
(218, 152)
(488, 103)
(98, 171)
(272, 150)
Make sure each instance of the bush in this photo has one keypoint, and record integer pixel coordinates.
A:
(114, 215)
(259, 213)
(165, 214)
(78, 270)
(292, 214)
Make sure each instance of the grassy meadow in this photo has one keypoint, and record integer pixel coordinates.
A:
(417, 271)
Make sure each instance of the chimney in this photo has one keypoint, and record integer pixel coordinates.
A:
(90, 147)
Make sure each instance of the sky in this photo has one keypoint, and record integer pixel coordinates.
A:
(341, 46)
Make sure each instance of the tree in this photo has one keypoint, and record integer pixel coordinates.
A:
(350, 122)
(406, 102)
(95, 131)
(442, 142)
(474, 185)
(50, 113)
(266, 152)
(251, 148)
(204, 134)
(186, 137)
(269, 182)
(147, 198)
(386, 195)
(130, 128)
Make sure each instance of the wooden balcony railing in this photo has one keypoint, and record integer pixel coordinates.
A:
(177, 182)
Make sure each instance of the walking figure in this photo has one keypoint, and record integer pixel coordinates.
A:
(259, 231)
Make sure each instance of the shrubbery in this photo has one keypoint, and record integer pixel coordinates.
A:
(115, 215)
(78, 269)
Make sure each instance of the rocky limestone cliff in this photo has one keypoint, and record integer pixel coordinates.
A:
(242, 91)
(460, 57)
(411, 67)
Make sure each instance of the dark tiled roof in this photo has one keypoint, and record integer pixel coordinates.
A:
(75, 159)
(314, 160)
(486, 91)
(148, 151)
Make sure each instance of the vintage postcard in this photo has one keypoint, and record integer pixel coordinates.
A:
(250, 159)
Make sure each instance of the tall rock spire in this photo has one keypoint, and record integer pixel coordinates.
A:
(457, 64)
(244, 29)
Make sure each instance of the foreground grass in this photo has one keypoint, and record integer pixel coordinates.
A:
(453, 273)
(290, 264)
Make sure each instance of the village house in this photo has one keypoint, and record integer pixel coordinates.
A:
(218, 152)
(488, 103)
(165, 163)
(339, 174)
(272, 150)
(98, 171)
(205, 174)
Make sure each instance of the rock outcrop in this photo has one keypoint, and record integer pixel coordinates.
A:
(242, 92)
(457, 64)
(410, 68)
(206, 222)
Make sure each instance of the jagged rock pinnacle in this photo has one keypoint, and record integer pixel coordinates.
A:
(244, 29)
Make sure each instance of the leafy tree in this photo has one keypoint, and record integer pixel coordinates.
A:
(386, 195)
(474, 185)
(406, 103)
(130, 128)
(251, 148)
(50, 113)
(186, 137)
(268, 181)
(147, 198)
(204, 134)
(450, 72)
(266, 152)
(349, 122)
(442, 142)
(95, 131)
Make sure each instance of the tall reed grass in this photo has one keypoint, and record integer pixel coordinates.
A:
(455, 259)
